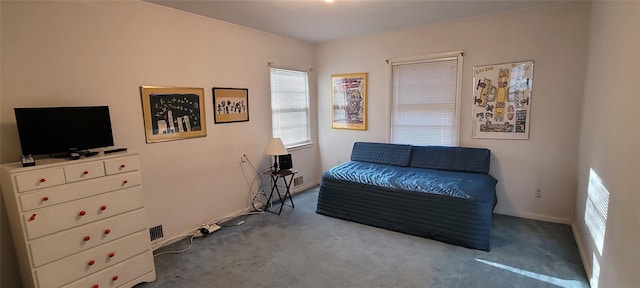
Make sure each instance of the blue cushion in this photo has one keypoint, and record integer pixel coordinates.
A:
(381, 153)
(451, 158)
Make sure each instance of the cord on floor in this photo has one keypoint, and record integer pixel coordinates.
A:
(177, 251)
(217, 221)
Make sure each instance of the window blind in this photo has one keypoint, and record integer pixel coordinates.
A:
(424, 102)
(290, 106)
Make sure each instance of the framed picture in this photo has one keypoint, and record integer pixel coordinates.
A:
(349, 101)
(172, 113)
(230, 105)
(502, 100)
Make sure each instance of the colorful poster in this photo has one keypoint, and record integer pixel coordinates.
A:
(349, 101)
(502, 100)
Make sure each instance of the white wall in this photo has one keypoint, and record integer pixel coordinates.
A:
(554, 36)
(610, 145)
(69, 53)
(8, 269)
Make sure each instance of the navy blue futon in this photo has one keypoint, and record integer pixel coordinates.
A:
(442, 193)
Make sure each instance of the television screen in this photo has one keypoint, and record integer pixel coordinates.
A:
(51, 130)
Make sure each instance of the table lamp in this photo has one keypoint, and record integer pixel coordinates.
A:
(275, 147)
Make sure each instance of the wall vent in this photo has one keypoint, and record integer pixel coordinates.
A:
(297, 181)
(156, 232)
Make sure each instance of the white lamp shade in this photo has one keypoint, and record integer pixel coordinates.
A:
(275, 147)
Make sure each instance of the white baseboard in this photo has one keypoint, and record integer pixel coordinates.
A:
(582, 251)
(535, 216)
(304, 187)
(162, 242)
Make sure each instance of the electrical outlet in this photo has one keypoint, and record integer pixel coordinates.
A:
(243, 158)
(538, 193)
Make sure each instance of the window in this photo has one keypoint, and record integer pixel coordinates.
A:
(425, 100)
(290, 106)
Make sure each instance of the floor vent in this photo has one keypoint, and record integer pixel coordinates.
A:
(156, 232)
(297, 181)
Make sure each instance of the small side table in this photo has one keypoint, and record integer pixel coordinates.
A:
(275, 176)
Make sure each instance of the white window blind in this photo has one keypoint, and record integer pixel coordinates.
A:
(425, 99)
(290, 106)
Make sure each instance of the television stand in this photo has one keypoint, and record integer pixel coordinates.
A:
(88, 153)
(62, 155)
(85, 153)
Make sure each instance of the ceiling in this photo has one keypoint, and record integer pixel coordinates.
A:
(317, 21)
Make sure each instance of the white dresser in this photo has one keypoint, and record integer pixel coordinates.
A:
(79, 223)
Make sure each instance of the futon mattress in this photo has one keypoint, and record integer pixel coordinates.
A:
(450, 206)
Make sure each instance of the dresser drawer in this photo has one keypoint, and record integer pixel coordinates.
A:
(91, 261)
(77, 225)
(39, 179)
(122, 164)
(52, 219)
(83, 171)
(119, 274)
(65, 193)
(85, 237)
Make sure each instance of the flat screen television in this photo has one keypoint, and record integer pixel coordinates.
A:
(61, 130)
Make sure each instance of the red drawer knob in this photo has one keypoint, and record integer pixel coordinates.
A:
(85, 172)
(33, 217)
(103, 207)
(95, 286)
(122, 166)
(91, 262)
(114, 278)
(42, 180)
(107, 231)
(82, 213)
(86, 238)
(45, 198)
(125, 181)
(112, 254)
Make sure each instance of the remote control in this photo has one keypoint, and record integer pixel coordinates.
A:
(115, 150)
